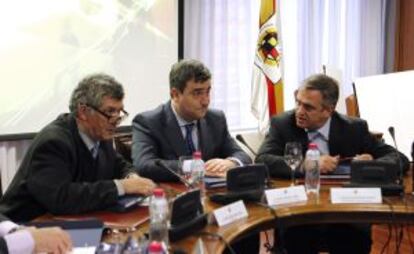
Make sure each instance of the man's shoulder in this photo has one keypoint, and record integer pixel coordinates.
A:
(348, 120)
(61, 129)
(152, 115)
(285, 118)
(214, 114)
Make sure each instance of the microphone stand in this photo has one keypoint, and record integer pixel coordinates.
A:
(162, 164)
(401, 177)
(243, 141)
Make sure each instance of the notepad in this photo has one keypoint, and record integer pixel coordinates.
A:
(126, 203)
(214, 182)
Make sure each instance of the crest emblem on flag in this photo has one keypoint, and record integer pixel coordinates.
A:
(268, 53)
(268, 47)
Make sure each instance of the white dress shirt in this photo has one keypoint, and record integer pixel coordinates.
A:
(18, 242)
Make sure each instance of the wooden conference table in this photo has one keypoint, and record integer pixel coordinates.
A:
(395, 210)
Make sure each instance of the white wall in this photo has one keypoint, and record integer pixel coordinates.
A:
(387, 100)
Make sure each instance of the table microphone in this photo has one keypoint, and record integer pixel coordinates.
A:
(243, 141)
(392, 134)
(162, 164)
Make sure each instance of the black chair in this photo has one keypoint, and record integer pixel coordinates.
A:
(123, 143)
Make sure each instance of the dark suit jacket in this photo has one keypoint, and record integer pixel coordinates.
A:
(157, 135)
(59, 175)
(347, 138)
(3, 245)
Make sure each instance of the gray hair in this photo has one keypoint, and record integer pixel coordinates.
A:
(93, 88)
(186, 70)
(327, 86)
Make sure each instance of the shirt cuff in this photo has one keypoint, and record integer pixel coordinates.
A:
(6, 227)
(235, 160)
(20, 242)
(132, 175)
(119, 187)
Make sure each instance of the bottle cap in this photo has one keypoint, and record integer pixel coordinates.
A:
(197, 155)
(158, 192)
(155, 247)
(313, 146)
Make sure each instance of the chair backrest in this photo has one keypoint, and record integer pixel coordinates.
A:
(254, 140)
(123, 142)
(352, 106)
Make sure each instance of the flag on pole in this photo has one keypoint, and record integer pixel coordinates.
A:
(267, 86)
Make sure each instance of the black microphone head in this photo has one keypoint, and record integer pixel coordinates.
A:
(391, 131)
(240, 138)
(157, 162)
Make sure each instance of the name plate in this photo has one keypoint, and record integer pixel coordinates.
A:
(230, 213)
(287, 195)
(356, 196)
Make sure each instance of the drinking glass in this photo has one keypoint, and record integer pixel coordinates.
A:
(184, 167)
(293, 157)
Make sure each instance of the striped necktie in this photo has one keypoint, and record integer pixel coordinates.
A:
(189, 138)
(95, 150)
(320, 140)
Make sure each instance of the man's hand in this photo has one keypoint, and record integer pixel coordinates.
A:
(138, 185)
(363, 157)
(51, 240)
(218, 167)
(328, 163)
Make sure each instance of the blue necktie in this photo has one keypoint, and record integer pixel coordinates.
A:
(189, 138)
(95, 150)
(320, 140)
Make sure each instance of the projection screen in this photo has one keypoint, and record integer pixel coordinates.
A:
(387, 100)
(47, 46)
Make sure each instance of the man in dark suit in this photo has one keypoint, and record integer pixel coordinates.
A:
(337, 136)
(316, 120)
(71, 166)
(162, 132)
(20, 240)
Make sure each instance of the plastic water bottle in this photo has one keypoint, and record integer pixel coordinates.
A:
(197, 171)
(158, 209)
(155, 248)
(312, 172)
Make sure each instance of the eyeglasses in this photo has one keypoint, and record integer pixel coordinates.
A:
(114, 116)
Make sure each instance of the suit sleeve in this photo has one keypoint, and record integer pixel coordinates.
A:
(271, 152)
(145, 151)
(50, 181)
(123, 167)
(230, 148)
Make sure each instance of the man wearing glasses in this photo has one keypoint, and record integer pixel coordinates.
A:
(71, 166)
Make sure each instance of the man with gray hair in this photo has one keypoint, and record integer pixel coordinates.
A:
(71, 166)
(337, 136)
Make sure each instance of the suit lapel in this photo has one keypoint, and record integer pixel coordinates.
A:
(204, 138)
(299, 134)
(335, 140)
(173, 132)
(303, 137)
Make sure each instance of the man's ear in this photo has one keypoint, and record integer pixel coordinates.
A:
(295, 93)
(82, 112)
(330, 109)
(174, 92)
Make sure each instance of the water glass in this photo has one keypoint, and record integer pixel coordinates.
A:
(293, 157)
